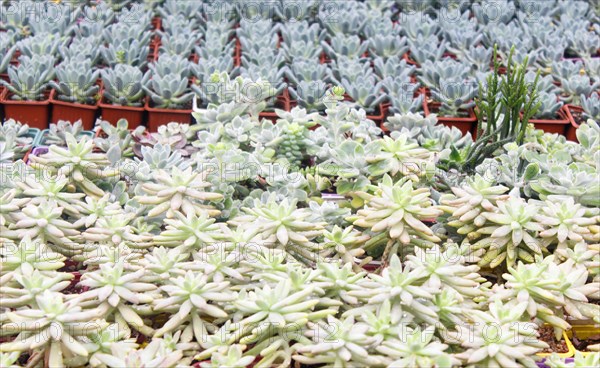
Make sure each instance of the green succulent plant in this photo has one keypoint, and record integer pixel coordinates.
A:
(14, 257)
(400, 155)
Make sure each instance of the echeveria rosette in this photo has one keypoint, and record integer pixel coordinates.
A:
(284, 220)
(178, 190)
(78, 163)
(54, 326)
(153, 355)
(498, 338)
(510, 233)
(232, 357)
(447, 269)
(37, 189)
(29, 284)
(13, 257)
(191, 297)
(398, 209)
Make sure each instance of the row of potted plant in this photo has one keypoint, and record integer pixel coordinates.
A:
(213, 243)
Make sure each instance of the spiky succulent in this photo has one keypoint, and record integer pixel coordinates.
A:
(112, 288)
(53, 325)
(509, 233)
(499, 338)
(178, 190)
(398, 209)
(282, 220)
(399, 155)
(78, 163)
(194, 298)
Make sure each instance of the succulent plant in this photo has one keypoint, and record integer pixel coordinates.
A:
(338, 343)
(591, 106)
(153, 355)
(572, 180)
(123, 85)
(112, 287)
(177, 190)
(400, 155)
(78, 163)
(86, 48)
(195, 296)
(425, 49)
(27, 82)
(398, 210)
(579, 361)
(131, 52)
(388, 46)
(8, 51)
(76, 83)
(576, 86)
(232, 356)
(454, 96)
(310, 94)
(52, 312)
(512, 343)
(181, 44)
(366, 93)
(41, 44)
(170, 91)
(282, 221)
(16, 258)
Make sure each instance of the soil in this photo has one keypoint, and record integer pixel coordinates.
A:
(547, 335)
(578, 117)
(581, 345)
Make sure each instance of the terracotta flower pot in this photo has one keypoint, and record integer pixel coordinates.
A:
(158, 117)
(282, 103)
(33, 113)
(237, 58)
(575, 116)
(70, 111)
(156, 23)
(559, 125)
(113, 113)
(467, 124)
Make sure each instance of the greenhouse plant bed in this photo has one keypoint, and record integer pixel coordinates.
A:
(70, 111)
(33, 113)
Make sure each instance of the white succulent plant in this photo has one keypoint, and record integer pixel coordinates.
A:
(178, 190)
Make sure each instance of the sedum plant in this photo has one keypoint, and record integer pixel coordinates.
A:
(78, 163)
(397, 209)
(53, 325)
(512, 342)
(177, 190)
(398, 156)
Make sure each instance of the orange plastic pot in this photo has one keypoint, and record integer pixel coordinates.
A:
(70, 111)
(114, 113)
(467, 124)
(33, 113)
(158, 117)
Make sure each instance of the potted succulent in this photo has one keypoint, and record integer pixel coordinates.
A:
(551, 116)
(452, 102)
(576, 115)
(169, 100)
(27, 97)
(123, 94)
(75, 93)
